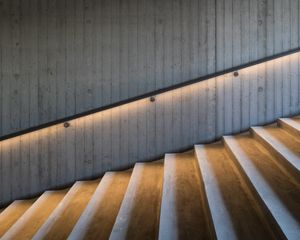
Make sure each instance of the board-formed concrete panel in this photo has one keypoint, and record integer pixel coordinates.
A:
(63, 57)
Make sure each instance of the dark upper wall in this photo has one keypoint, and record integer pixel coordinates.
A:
(63, 57)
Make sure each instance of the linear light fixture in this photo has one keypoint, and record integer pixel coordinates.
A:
(65, 121)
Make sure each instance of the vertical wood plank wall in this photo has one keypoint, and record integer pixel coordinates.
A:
(62, 57)
(143, 130)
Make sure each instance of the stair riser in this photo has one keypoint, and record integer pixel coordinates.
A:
(206, 204)
(103, 208)
(77, 198)
(290, 129)
(261, 204)
(138, 216)
(281, 159)
(13, 213)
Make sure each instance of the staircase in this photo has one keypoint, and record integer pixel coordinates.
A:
(245, 187)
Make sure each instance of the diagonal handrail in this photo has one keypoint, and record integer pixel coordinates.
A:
(149, 94)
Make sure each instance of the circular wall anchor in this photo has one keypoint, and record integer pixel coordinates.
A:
(66, 124)
(152, 99)
(235, 74)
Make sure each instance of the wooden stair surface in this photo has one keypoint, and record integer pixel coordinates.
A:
(244, 187)
(62, 220)
(278, 191)
(182, 210)
(32, 220)
(229, 198)
(12, 213)
(103, 208)
(138, 217)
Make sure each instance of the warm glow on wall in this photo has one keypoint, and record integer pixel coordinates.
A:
(166, 97)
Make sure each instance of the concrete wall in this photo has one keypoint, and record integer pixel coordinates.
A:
(61, 57)
(145, 130)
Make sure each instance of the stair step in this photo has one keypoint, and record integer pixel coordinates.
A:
(282, 144)
(279, 193)
(12, 213)
(138, 217)
(234, 210)
(183, 213)
(296, 119)
(97, 220)
(28, 224)
(290, 125)
(62, 220)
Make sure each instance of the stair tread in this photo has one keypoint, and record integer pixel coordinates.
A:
(182, 210)
(12, 213)
(296, 120)
(293, 123)
(97, 220)
(279, 192)
(62, 220)
(138, 217)
(35, 216)
(234, 211)
(281, 141)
